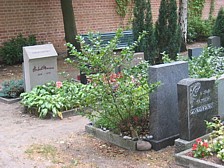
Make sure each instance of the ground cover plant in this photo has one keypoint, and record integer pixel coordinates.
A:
(12, 88)
(119, 101)
(52, 98)
(208, 64)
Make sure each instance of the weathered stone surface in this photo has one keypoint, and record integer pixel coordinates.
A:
(220, 85)
(110, 137)
(143, 145)
(214, 41)
(40, 65)
(194, 52)
(164, 126)
(197, 99)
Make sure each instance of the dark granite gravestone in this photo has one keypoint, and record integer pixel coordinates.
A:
(194, 52)
(164, 117)
(197, 99)
(214, 41)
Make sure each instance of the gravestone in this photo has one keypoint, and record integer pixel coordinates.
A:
(164, 126)
(214, 41)
(194, 52)
(197, 99)
(40, 65)
(220, 85)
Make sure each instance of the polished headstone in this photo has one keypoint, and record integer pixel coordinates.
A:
(163, 102)
(197, 99)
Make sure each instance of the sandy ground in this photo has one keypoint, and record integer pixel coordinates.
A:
(22, 138)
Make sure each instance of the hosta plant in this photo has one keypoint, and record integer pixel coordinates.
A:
(119, 101)
(53, 98)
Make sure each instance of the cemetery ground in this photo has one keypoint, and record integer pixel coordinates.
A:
(27, 141)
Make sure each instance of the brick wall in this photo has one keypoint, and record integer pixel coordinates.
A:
(44, 18)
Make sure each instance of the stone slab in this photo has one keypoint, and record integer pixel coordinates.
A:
(220, 86)
(197, 99)
(163, 102)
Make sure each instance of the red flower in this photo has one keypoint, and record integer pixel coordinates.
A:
(198, 140)
(58, 84)
(194, 147)
(205, 144)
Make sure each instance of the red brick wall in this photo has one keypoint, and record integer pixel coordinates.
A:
(44, 18)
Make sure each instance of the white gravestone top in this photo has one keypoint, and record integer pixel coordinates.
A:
(40, 65)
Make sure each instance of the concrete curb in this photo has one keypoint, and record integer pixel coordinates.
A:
(183, 160)
(112, 138)
(9, 101)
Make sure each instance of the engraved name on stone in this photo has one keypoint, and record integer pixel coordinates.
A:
(199, 100)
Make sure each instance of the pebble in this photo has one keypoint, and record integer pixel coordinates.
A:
(127, 137)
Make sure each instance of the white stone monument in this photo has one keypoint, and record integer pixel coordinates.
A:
(40, 65)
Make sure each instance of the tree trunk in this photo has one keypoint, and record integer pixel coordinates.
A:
(69, 23)
(183, 23)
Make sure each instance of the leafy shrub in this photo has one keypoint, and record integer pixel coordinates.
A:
(119, 102)
(53, 98)
(12, 88)
(209, 64)
(12, 50)
(218, 29)
(199, 29)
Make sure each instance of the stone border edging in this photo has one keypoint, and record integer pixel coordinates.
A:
(9, 101)
(112, 138)
(183, 160)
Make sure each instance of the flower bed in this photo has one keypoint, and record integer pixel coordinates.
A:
(52, 99)
(208, 152)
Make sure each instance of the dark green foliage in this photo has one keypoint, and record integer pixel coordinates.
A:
(138, 22)
(150, 49)
(167, 30)
(198, 29)
(12, 50)
(12, 88)
(143, 21)
(218, 29)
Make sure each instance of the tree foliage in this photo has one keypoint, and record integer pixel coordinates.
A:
(167, 30)
(218, 29)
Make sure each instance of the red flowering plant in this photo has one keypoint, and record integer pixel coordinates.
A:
(201, 148)
(119, 101)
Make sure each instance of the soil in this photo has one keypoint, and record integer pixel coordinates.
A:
(26, 141)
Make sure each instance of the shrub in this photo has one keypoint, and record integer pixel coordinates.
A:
(119, 102)
(53, 98)
(218, 29)
(12, 52)
(12, 88)
(198, 29)
(167, 30)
